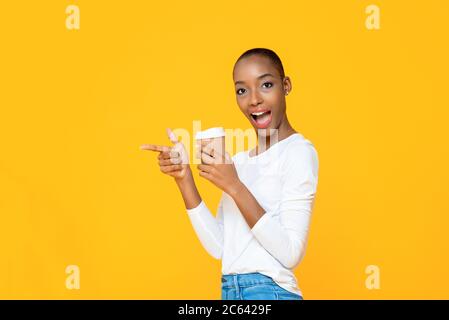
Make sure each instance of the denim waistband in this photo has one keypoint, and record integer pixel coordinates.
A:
(245, 279)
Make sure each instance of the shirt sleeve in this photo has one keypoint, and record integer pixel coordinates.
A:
(284, 233)
(208, 228)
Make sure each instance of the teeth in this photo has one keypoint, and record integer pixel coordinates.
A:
(258, 113)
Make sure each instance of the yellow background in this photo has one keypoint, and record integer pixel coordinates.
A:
(76, 105)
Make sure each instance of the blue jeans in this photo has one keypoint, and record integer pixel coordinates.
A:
(253, 286)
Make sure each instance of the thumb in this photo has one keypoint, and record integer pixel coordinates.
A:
(172, 136)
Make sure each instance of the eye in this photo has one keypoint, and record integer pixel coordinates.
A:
(239, 91)
(270, 84)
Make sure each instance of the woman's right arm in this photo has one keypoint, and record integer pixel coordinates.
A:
(188, 190)
(208, 228)
(174, 161)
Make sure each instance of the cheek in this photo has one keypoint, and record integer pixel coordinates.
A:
(278, 109)
(274, 97)
(274, 100)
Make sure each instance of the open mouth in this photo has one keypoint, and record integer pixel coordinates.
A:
(261, 119)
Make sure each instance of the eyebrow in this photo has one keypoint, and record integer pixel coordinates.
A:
(259, 77)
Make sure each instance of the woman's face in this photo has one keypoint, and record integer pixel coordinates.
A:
(260, 93)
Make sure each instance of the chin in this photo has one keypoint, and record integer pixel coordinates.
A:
(267, 132)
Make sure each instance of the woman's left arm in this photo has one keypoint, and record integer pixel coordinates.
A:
(224, 176)
(284, 235)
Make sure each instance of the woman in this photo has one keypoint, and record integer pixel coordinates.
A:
(261, 227)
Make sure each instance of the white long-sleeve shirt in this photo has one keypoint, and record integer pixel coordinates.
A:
(283, 179)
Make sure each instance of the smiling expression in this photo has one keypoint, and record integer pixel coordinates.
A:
(260, 92)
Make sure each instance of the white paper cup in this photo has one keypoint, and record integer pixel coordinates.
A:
(212, 142)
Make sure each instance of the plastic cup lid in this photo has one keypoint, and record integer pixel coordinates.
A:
(210, 133)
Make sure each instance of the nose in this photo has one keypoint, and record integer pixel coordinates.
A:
(255, 98)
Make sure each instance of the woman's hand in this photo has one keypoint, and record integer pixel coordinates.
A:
(221, 173)
(173, 161)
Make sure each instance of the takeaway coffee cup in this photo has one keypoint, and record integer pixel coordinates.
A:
(212, 142)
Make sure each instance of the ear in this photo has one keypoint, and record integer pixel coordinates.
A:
(287, 83)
